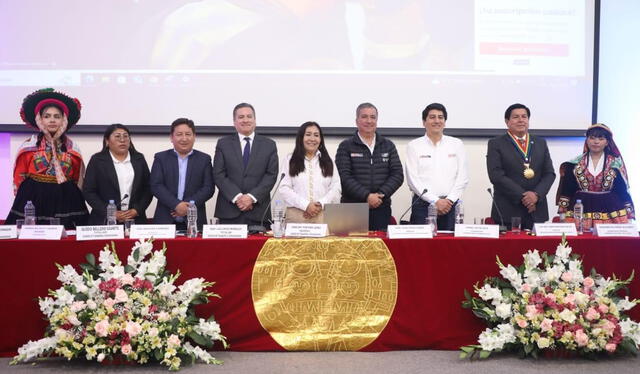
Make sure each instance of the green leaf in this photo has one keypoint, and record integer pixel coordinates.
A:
(467, 295)
(199, 339)
(158, 354)
(484, 354)
(463, 355)
(91, 259)
(136, 254)
(129, 269)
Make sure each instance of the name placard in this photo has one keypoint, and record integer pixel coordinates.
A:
(409, 232)
(477, 231)
(99, 232)
(306, 230)
(616, 229)
(155, 231)
(8, 232)
(224, 231)
(555, 229)
(51, 232)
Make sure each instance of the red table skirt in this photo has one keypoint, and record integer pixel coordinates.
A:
(432, 275)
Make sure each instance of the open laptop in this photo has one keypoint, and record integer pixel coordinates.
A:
(347, 218)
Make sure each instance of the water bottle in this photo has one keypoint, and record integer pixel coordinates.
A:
(459, 213)
(578, 215)
(278, 211)
(192, 220)
(111, 213)
(29, 213)
(432, 218)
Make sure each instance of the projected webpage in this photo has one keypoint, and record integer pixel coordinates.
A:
(148, 62)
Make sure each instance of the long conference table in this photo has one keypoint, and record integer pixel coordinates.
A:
(387, 294)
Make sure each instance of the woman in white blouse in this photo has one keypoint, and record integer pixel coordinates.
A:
(311, 179)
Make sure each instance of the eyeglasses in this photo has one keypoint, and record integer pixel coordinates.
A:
(123, 137)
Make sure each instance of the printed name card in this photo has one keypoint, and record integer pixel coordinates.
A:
(99, 232)
(477, 231)
(555, 229)
(8, 232)
(153, 231)
(409, 232)
(619, 229)
(46, 232)
(306, 230)
(224, 231)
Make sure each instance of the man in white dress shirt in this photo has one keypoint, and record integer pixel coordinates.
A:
(436, 163)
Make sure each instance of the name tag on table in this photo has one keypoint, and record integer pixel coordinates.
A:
(409, 232)
(555, 229)
(224, 232)
(53, 232)
(153, 231)
(477, 231)
(306, 230)
(99, 232)
(8, 232)
(619, 229)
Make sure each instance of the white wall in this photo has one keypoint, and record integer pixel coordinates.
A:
(476, 200)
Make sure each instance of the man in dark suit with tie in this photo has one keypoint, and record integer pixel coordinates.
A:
(245, 168)
(521, 170)
(180, 175)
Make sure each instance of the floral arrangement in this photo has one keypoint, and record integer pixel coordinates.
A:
(130, 312)
(552, 308)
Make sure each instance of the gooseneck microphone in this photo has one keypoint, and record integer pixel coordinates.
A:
(412, 205)
(503, 227)
(254, 229)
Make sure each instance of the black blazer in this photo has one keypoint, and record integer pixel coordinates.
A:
(198, 187)
(505, 167)
(101, 185)
(232, 178)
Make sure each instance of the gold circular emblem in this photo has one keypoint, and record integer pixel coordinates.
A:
(529, 173)
(324, 295)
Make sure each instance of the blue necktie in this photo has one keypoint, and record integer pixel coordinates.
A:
(246, 152)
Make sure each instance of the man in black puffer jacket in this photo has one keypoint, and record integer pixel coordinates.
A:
(369, 167)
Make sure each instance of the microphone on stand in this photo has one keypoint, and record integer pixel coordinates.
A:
(125, 197)
(412, 205)
(255, 229)
(503, 227)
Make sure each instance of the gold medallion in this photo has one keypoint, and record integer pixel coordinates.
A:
(528, 172)
(324, 295)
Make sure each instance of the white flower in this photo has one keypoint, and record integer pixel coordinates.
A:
(64, 297)
(625, 304)
(34, 349)
(106, 258)
(91, 304)
(532, 277)
(68, 275)
(489, 293)
(567, 315)
(562, 254)
(511, 274)
(603, 286)
(532, 259)
(494, 340)
(553, 273)
(189, 289)
(165, 288)
(47, 306)
(503, 310)
(100, 357)
(543, 343)
(200, 353)
(631, 330)
(210, 329)
(581, 299)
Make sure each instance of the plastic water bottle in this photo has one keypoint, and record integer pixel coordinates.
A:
(278, 211)
(192, 220)
(432, 218)
(459, 213)
(578, 215)
(29, 213)
(111, 213)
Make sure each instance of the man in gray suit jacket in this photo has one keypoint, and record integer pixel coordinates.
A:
(180, 175)
(245, 168)
(521, 171)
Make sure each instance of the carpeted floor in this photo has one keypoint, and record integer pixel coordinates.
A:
(400, 362)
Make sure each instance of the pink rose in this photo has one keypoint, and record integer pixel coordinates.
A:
(126, 279)
(126, 349)
(532, 311)
(603, 308)
(526, 287)
(522, 323)
(592, 314)
(551, 297)
(570, 298)
(153, 332)
(588, 282)
(121, 296)
(609, 327)
(610, 347)
(102, 328)
(567, 276)
(133, 328)
(173, 341)
(108, 303)
(546, 324)
(581, 338)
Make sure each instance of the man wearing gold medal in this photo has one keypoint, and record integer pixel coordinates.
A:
(521, 171)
